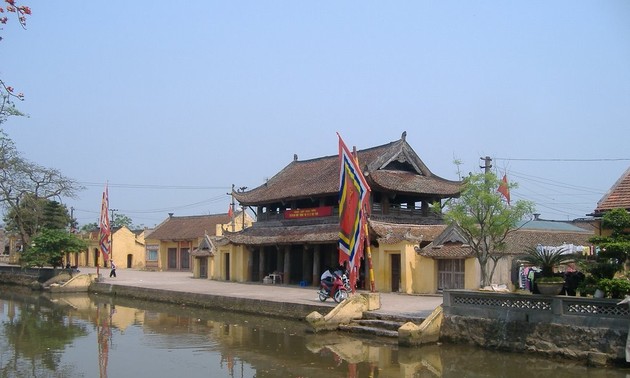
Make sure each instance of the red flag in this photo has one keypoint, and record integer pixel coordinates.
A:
(354, 194)
(504, 189)
(230, 211)
(105, 231)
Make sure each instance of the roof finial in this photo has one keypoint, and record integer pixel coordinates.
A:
(404, 135)
(295, 158)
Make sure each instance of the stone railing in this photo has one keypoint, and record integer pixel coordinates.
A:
(575, 311)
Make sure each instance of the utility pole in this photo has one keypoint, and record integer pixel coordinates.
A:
(487, 164)
(232, 204)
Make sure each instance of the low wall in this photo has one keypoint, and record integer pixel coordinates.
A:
(587, 329)
(243, 305)
(15, 275)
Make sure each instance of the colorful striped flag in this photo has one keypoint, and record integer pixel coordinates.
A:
(105, 231)
(354, 194)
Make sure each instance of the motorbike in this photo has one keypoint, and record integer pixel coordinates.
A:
(337, 290)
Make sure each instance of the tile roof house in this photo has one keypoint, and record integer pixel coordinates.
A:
(451, 245)
(171, 244)
(617, 197)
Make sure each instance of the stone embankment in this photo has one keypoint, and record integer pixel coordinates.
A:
(593, 331)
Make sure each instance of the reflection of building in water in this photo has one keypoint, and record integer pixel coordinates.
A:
(121, 317)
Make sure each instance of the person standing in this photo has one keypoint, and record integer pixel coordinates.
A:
(112, 273)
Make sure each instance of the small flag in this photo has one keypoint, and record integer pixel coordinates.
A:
(105, 231)
(504, 189)
(230, 211)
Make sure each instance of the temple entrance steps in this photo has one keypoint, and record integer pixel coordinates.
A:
(377, 325)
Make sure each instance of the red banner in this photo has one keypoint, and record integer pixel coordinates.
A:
(313, 212)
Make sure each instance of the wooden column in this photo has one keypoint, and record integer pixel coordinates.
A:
(250, 262)
(261, 263)
(279, 259)
(317, 262)
(287, 265)
(305, 263)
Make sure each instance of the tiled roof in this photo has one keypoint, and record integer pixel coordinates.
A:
(617, 197)
(188, 227)
(392, 233)
(448, 251)
(205, 249)
(410, 182)
(320, 177)
(450, 244)
(517, 242)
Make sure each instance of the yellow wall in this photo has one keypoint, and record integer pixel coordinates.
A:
(382, 266)
(426, 276)
(239, 258)
(472, 273)
(124, 242)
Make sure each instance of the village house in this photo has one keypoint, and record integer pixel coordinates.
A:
(617, 197)
(448, 262)
(127, 250)
(179, 242)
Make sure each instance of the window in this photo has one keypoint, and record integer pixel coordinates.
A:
(152, 253)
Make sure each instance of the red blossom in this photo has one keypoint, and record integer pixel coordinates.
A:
(24, 9)
(12, 2)
(3, 20)
(10, 89)
(10, 9)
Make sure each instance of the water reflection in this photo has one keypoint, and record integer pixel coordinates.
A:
(87, 336)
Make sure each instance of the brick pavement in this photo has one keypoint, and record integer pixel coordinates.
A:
(392, 304)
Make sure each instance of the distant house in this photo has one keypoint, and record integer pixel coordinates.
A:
(127, 249)
(449, 263)
(170, 245)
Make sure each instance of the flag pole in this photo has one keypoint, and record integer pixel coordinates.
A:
(368, 250)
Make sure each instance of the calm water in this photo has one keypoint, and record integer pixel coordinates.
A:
(99, 336)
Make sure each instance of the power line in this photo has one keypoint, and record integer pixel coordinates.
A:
(154, 186)
(564, 160)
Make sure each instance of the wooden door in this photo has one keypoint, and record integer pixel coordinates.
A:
(203, 267)
(172, 258)
(227, 266)
(450, 274)
(184, 256)
(396, 276)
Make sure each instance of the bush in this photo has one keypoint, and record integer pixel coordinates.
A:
(614, 287)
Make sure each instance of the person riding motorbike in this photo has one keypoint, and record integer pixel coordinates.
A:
(327, 277)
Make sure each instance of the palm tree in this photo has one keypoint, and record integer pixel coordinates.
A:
(547, 258)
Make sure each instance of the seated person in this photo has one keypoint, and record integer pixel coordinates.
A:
(327, 277)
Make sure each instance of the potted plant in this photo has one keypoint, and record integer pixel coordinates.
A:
(548, 259)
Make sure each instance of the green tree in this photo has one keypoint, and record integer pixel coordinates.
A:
(486, 220)
(89, 227)
(614, 250)
(119, 220)
(49, 247)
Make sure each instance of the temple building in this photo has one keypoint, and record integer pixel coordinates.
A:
(296, 233)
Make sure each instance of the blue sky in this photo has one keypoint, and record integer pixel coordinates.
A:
(172, 103)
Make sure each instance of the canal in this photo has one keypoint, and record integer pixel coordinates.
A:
(80, 335)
